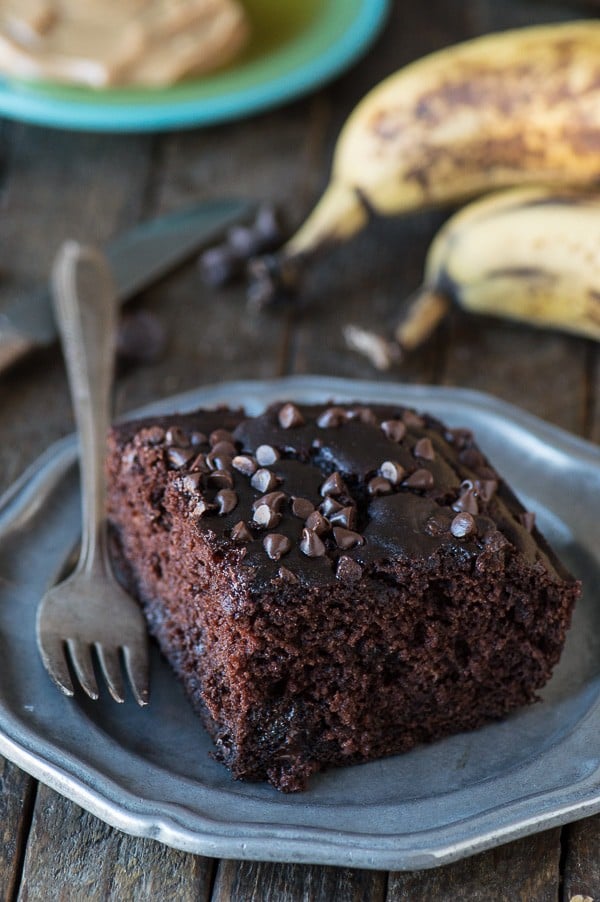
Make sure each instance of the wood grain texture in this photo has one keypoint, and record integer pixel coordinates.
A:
(71, 855)
(261, 882)
(523, 871)
(582, 860)
(16, 797)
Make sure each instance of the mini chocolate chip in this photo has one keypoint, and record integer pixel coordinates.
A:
(364, 415)
(268, 226)
(220, 479)
(227, 500)
(412, 419)
(224, 449)
(266, 455)
(486, 488)
(345, 517)
(274, 500)
(198, 438)
(318, 523)
(527, 519)
(302, 507)
(220, 435)
(347, 570)
(287, 575)
(394, 429)
(495, 540)
(178, 457)
(199, 464)
(332, 418)
(218, 265)
(420, 479)
(264, 481)
(176, 436)
(240, 533)
(244, 464)
(435, 527)
(346, 538)
(333, 485)
(424, 449)
(154, 435)
(460, 438)
(264, 515)
(472, 457)
(244, 241)
(218, 461)
(202, 507)
(310, 544)
(379, 486)
(330, 506)
(392, 471)
(463, 525)
(289, 416)
(276, 545)
(467, 501)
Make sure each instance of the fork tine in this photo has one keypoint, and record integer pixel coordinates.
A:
(111, 671)
(136, 665)
(81, 659)
(52, 652)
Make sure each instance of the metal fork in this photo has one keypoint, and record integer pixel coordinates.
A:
(90, 609)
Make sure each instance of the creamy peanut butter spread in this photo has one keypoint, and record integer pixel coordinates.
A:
(100, 43)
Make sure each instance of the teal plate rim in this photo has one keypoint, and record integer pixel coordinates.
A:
(340, 32)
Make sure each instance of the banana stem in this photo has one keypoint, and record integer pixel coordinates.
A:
(425, 312)
(339, 214)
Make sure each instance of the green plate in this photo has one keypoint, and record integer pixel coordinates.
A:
(297, 45)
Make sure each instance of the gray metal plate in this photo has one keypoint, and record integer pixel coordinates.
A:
(148, 771)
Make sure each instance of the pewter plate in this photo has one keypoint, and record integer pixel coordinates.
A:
(148, 771)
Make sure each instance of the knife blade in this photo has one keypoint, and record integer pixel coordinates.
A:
(137, 257)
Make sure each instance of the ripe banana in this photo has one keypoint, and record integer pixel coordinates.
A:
(512, 108)
(527, 254)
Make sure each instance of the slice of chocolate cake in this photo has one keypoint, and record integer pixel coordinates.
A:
(333, 584)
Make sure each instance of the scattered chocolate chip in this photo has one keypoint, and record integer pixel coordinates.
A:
(220, 435)
(276, 545)
(330, 506)
(346, 538)
(287, 575)
(333, 485)
(345, 516)
(178, 457)
(527, 519)
(240, 533)
(224, 449)
(202, 507)
(394, 429)
(218, 461)
(310, 544)
(379, 486)
(289, 416)
(227, 500)
(486, 488)
(392, 471)
(219, 265)
(198, 438)
(412, 419)
(424, 449)
(494, 540)
(467, 500)
(302, 507)
(364, 415)
(318, 523)
(245, 464)
(268, 227)
(272, 279)
(141, 337)
(199, 464)
(472, 458)
(154, 435)
(274, 500)
(420, 479)
(220, 479)
(264, 515)
(264, 481)
(244, 241)
(176, 436)
(266, 455)
(332, 418)
(347, 570)
(460, 438)
(435, 527)
(463, 525)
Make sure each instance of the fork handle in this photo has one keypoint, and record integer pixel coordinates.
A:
(85, 306)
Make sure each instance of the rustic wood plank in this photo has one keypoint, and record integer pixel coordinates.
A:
(581, 877)
(522, 871)
(249, 881)
(72, 855)
(16, 795)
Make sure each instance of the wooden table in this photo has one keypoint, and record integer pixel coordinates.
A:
(55, 185)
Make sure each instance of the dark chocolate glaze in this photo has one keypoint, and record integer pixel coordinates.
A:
(405, 523)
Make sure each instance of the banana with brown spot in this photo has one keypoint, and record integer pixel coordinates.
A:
(526, 254)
